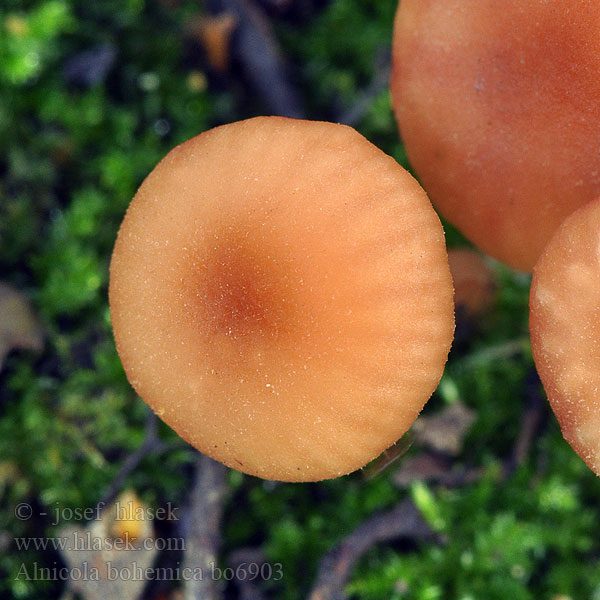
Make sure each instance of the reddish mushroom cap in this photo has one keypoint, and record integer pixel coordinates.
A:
(498, 104)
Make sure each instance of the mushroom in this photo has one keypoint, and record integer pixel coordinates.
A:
(281, 297)
(498, 106)
(474, 282)
(565, 329)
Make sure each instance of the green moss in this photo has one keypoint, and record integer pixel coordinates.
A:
(72, 157)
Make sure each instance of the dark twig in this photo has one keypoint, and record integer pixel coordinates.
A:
(255, 47)
(152, 443)
(335, 568)
(405, 521)
(203, 539)
(532, 421)
(378, 84)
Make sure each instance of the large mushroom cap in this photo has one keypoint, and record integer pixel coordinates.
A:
(565, 329)
(498, 103)
(281, 297)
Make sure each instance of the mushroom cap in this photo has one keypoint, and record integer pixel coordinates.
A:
(565, 329)
(281, 297)
(498, 106)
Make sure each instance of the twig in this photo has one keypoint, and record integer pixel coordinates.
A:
(436, 468)
(533, 419)
(378, 84)
(152, 443)
(502, 351)
(88, 449)
(257, 51)
(203, 539)
(336, 565)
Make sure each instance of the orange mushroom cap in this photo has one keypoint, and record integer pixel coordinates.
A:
(281, 297)
(498, 104)
(565, 329)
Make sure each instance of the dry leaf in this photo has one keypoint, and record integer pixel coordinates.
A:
(115, 551)
(423, 467)
(256, 50)
(19, 328)
(445, 431)
(129, 521)
(215, 34)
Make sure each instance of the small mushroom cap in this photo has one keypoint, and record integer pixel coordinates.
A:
(281, 297)
(565, 329)
(498, 106)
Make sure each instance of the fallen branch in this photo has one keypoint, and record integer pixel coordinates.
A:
(534, 416)
(403, 521)
(203, 539)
